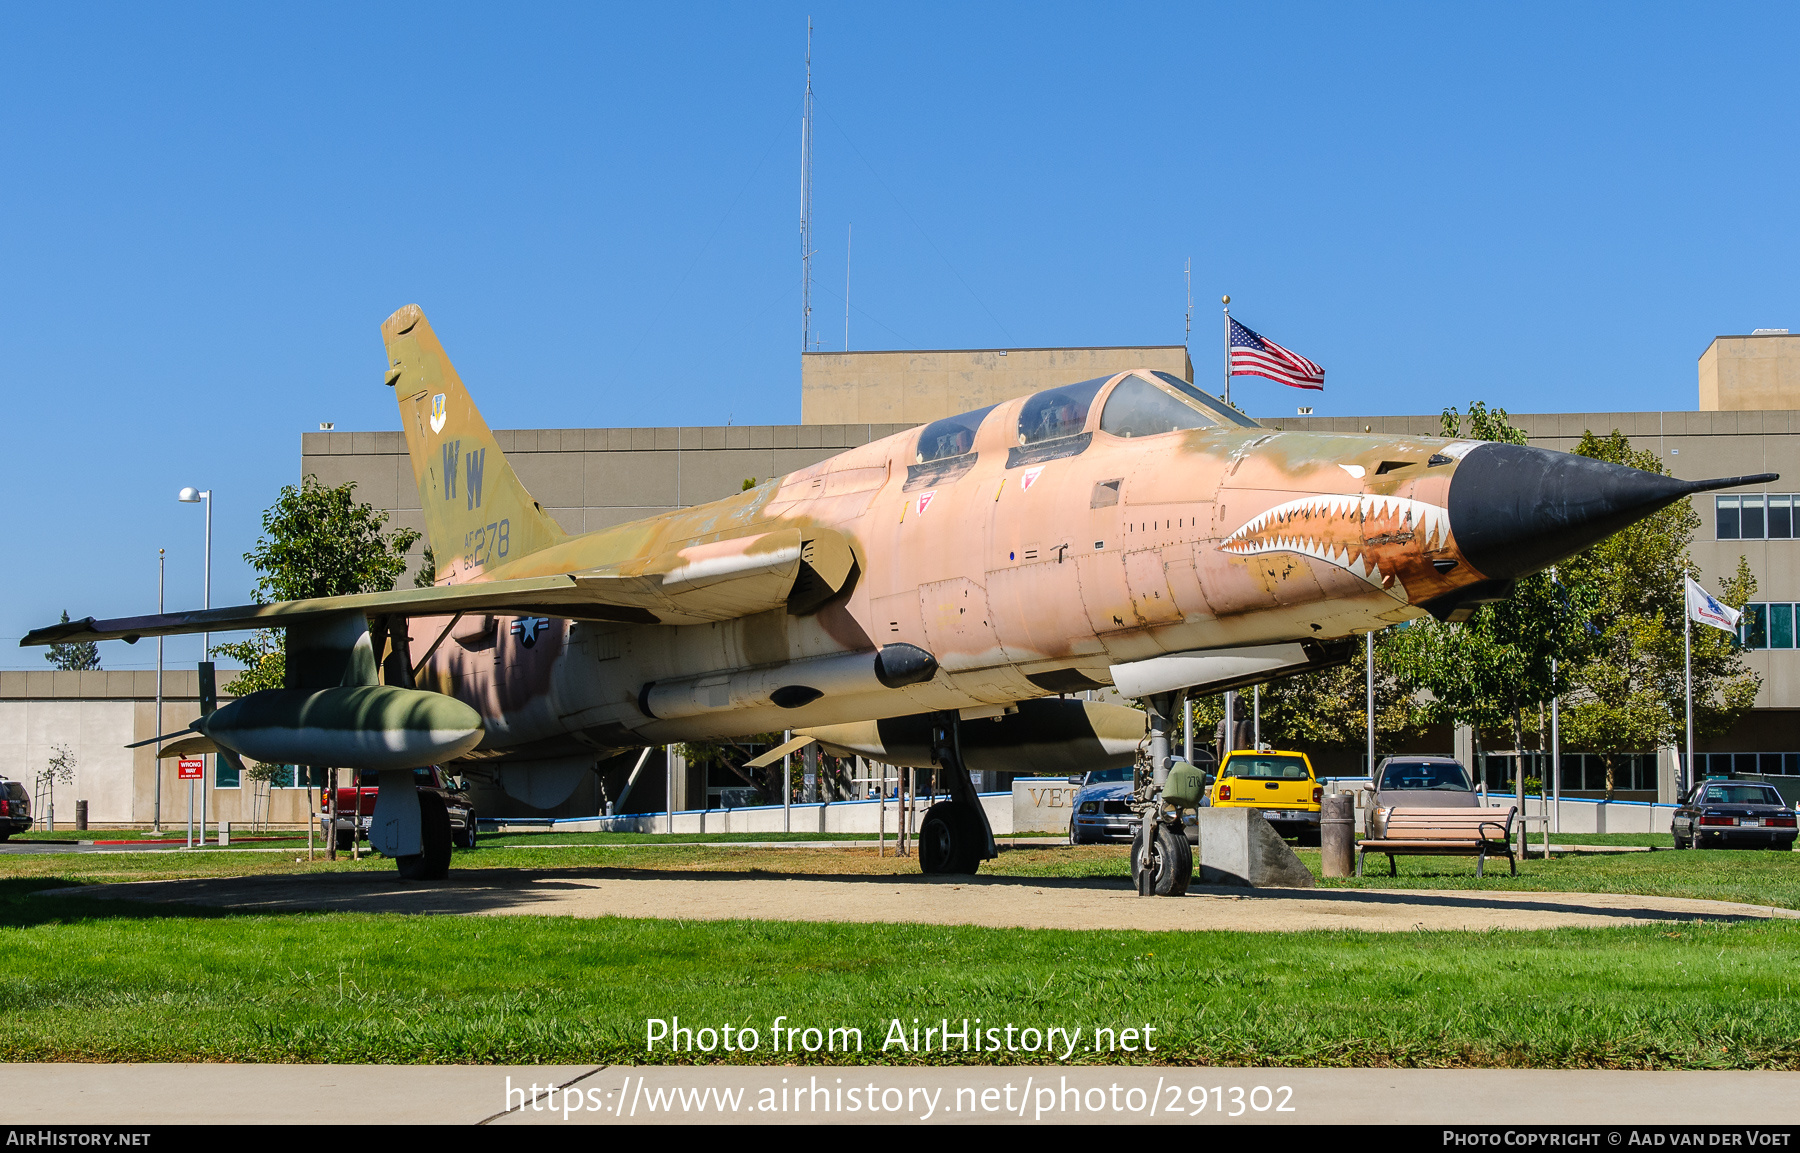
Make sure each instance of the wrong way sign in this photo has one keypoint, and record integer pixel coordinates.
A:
(188, 768)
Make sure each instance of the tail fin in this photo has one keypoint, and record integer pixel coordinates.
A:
(477, 514)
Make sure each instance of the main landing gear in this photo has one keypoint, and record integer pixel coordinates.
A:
(432, 862)
(955, 836)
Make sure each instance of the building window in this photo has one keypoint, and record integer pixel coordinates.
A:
(1755, 516)
(1781, 626)
(1770, 626)
(1761, 764)
(286, 776)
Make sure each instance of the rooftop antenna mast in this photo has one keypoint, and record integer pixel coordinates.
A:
(806, 248)
(1187, 324)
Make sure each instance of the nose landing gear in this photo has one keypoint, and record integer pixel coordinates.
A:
(1162, 862)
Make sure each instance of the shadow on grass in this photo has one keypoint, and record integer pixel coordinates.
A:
(533, 890)
(26, 902)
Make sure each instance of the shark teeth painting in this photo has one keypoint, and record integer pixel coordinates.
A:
(1353, 532)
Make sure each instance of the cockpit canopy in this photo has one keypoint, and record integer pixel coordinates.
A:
(1054, 423)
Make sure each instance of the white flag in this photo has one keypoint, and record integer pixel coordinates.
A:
(1702, 606)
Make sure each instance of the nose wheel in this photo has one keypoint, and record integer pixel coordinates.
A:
(1171, 862)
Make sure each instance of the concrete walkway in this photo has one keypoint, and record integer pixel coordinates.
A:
(1000, 902)
(1616, 1102)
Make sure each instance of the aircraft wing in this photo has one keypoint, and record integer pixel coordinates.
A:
(712, 581)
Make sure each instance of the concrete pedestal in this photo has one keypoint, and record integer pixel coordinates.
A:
(1237, 847)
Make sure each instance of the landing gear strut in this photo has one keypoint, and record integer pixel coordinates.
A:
(1162, 863)
(955, 836)
(433, 863)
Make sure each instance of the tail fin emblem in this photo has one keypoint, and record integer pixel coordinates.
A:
(437, 413)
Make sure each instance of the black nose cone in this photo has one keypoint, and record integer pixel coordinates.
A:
(1515, 509)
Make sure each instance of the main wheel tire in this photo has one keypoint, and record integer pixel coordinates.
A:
(1172, 863)
(949, 840)
(433, 864)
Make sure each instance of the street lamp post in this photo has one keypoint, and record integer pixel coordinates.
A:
(156, 823)
(196, 496)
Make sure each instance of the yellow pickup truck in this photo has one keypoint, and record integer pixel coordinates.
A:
(1278, 782)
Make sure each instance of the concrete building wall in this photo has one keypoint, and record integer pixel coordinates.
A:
(919, 387)
(1740, 373)
(96, 714)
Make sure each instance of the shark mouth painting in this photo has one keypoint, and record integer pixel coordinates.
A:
(1364, 534)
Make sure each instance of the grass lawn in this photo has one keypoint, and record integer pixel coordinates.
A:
(90, 980)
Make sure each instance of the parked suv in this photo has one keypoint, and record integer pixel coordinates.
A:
(356, 805)
(15, 808)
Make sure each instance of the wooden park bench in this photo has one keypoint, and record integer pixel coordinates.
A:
(1444, 832)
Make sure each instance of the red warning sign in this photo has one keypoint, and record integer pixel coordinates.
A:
(189, 768)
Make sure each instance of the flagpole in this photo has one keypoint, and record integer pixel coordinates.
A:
(1227, 301)
(1687, 659)
(1555, 739)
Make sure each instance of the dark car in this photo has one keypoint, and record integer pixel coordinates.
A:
(356, 805)
(1733, 815)
(15, 808)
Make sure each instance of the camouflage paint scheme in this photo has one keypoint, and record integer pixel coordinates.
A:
(1224, 536)
(1031, 550)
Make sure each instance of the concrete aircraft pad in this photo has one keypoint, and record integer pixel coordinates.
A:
(999, 902)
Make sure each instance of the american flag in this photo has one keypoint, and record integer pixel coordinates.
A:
(1253, 355)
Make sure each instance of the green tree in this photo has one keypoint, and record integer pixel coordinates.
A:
(1628, 696)
(1487, 671)
(1481, 423)
(74, 656)
(1327, 709)
(317, 541)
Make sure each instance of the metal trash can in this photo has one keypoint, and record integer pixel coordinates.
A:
(81, 814)
(1337, 835)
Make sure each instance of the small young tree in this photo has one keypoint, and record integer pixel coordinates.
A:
(317, 542)
(59, 769)
(74, 656)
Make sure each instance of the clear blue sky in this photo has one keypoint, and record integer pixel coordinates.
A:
(206, 211)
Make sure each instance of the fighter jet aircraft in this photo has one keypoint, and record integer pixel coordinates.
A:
(925, 598)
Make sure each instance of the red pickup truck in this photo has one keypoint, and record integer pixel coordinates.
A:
(356, 805)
